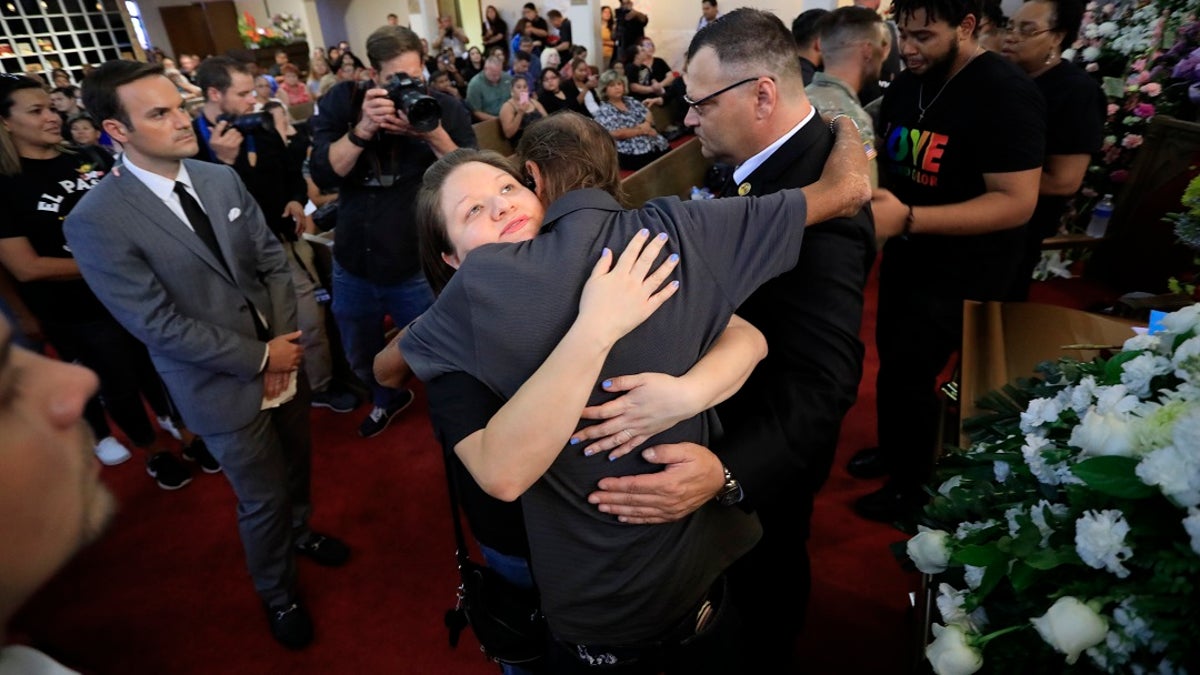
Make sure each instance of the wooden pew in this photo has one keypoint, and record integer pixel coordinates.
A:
(490, 136)
(675, 173)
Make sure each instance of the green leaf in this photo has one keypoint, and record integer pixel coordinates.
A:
(1048, 558)
(1112, 370)
(1113, 476)
(978, 555)
(1022, 576)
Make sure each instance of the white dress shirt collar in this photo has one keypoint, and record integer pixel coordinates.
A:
(747, 167)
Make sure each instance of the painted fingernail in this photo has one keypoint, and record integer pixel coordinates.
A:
(606, 384)
(588, 452)
(673, 258)
(643, 232)
(604, 252)
(662, 236)
(675, 283)
(612, 458)
(574, 441)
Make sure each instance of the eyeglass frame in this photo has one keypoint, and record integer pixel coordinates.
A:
(698, 103)
(1012, 28)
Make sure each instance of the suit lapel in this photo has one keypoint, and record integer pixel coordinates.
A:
(148, 204)
(768, 177)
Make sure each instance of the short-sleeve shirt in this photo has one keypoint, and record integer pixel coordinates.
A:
(37, 200)
(505, 310)
(1075, 113)
(635, 113)
(990, 118)
(486, 97)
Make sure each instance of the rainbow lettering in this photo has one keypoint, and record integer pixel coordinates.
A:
(916, 154)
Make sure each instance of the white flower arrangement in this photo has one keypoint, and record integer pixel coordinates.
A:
(1070, 529)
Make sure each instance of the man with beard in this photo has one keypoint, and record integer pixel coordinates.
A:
(52, 502)
(961, 148)
(749, 110)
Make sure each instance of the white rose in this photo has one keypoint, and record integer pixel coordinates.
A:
(949, 653)
(1100, 435)
(928, 550)
(1183, 320)
(1071, 627)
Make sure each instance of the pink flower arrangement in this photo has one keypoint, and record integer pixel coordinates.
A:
(1143, 110)
(1131, 141)
(1152, 89)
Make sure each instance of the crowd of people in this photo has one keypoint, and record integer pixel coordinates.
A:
(205, 300)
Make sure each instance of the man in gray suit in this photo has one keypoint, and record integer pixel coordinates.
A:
(180, 254)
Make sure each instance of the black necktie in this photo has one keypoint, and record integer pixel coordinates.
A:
(200, 222)
(204, 229)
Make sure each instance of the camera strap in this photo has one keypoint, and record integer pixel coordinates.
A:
(206, 134)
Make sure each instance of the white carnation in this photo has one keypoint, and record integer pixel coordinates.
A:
(1010, 515)
(1192, 525)
(1039, 515)
(966, 529)
(1187, 360)
(1175, 472)
(1038, 466)
(950, 606)
(1091, 53)
(1115, 400)
(974, 575)
(945, 488)
(1186, 433)
(1083, 395)
(1140, 370)
(1144, 342)
(1091, 31)
(1001, 470)
(1040, 411)
(1183, 320)
(1107, 29)
(1100, 540)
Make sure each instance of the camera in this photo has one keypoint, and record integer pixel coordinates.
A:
(249, 123)
(423, 111)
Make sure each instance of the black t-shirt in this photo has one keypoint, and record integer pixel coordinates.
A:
(990, 118)
(647, 74)
(36, 202)
(459, 406)
(1075, 113)
(564, 33)
(572, 91)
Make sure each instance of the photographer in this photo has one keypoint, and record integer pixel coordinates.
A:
(631, 28)
(229, 132)
(450, 37)
(370, 143)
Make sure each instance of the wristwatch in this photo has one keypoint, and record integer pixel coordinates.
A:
(357, 140)
(731, 492)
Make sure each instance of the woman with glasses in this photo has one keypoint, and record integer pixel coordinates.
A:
(1075, 110)
(629, 122)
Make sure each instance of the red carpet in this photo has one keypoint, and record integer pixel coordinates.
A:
(166, 590)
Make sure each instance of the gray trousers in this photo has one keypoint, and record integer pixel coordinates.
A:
(310, 315)
(268, 463)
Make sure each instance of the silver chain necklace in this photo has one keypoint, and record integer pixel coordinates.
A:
(921, 94)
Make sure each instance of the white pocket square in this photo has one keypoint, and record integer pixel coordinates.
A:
(234, 213)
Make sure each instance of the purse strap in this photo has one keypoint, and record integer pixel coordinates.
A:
(460, 541)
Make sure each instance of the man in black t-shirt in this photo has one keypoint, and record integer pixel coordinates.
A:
(960, 153)
(631, 27)
(564, 42)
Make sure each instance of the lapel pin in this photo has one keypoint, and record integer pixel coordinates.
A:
(743, 189)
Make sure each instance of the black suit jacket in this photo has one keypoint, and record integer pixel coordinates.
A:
(781, 429)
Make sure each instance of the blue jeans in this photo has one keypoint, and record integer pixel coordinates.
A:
(359, 306)
(515, 570)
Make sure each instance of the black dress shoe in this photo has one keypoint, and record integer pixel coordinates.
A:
(291, 625)
(324, 550)
(869, 463)
(894, 503)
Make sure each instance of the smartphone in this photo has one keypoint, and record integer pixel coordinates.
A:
(524, 97)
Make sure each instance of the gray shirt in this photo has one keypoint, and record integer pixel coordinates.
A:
(504, 311)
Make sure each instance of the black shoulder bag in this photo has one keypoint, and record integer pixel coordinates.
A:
(506, 619)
